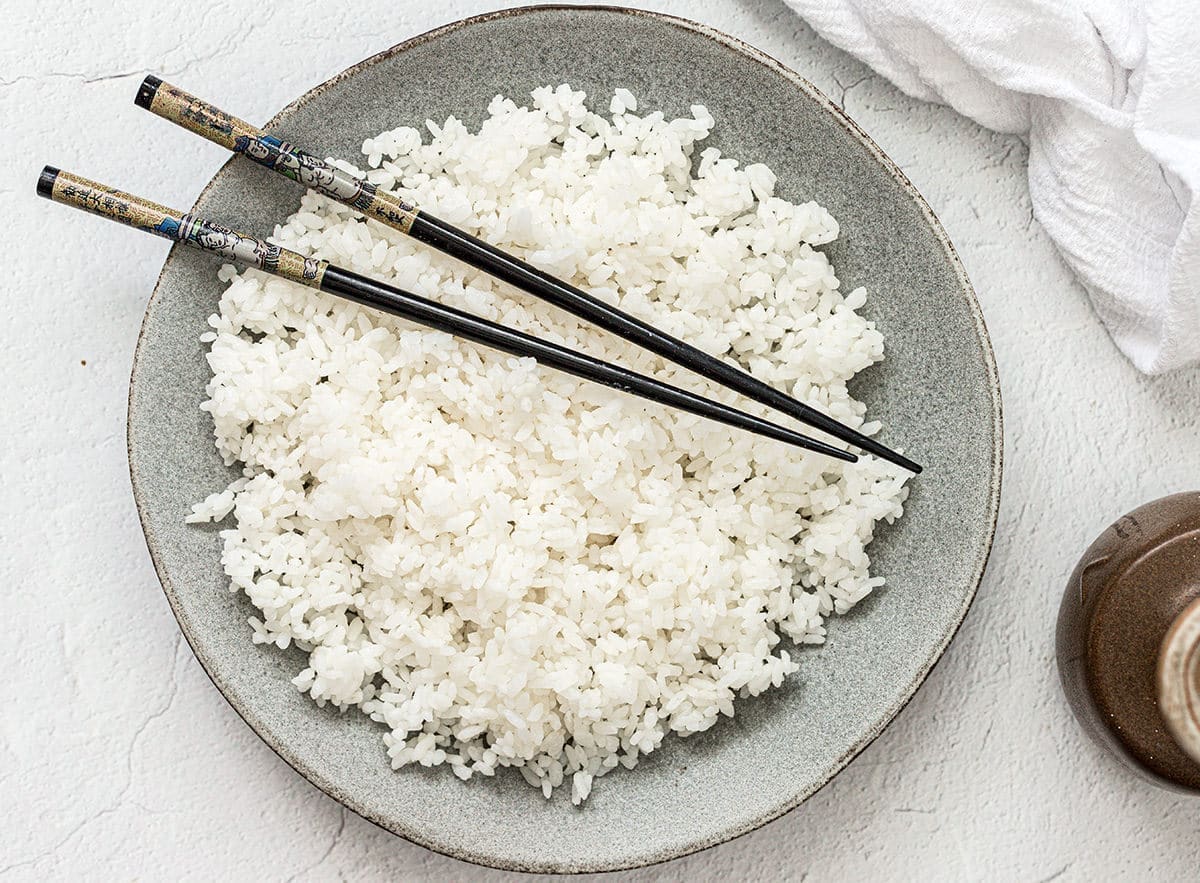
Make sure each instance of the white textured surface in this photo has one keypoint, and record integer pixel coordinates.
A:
(118, 759)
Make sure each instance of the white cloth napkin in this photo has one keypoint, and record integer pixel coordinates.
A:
(1108, 92)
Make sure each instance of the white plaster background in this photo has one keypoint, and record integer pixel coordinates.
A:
(118, 758)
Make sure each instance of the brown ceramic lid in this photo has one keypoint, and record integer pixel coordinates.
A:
(1127, 634)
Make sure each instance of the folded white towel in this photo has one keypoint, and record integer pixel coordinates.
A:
(1109, 94)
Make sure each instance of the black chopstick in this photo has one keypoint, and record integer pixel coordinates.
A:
(144, 215)
(188, 111)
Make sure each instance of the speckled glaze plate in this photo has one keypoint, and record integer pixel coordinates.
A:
(936, 394)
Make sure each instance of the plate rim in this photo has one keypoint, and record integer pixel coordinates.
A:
(549, 866)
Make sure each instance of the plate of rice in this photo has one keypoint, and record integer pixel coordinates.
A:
(522, 619)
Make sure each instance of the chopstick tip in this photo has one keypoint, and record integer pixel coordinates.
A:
(147, 91)
(45, 184)
(900, 460)
(883, 452)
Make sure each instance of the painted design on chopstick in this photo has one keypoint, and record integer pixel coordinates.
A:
(197, 116)
(121, 207)
(267, 256)
(188, 229)
(313, 172)
(316, 174)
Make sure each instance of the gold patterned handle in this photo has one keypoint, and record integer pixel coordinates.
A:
(153, 218)
(186, 110)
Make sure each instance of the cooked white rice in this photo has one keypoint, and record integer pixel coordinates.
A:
(506, 566)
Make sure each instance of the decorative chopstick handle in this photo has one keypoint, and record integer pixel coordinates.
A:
(151, 217)
(195, 115)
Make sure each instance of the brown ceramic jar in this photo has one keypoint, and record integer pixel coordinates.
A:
(1129, 640)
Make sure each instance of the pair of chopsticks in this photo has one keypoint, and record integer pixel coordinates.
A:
(240, 137)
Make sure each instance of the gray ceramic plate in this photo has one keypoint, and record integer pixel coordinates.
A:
(936, 393)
